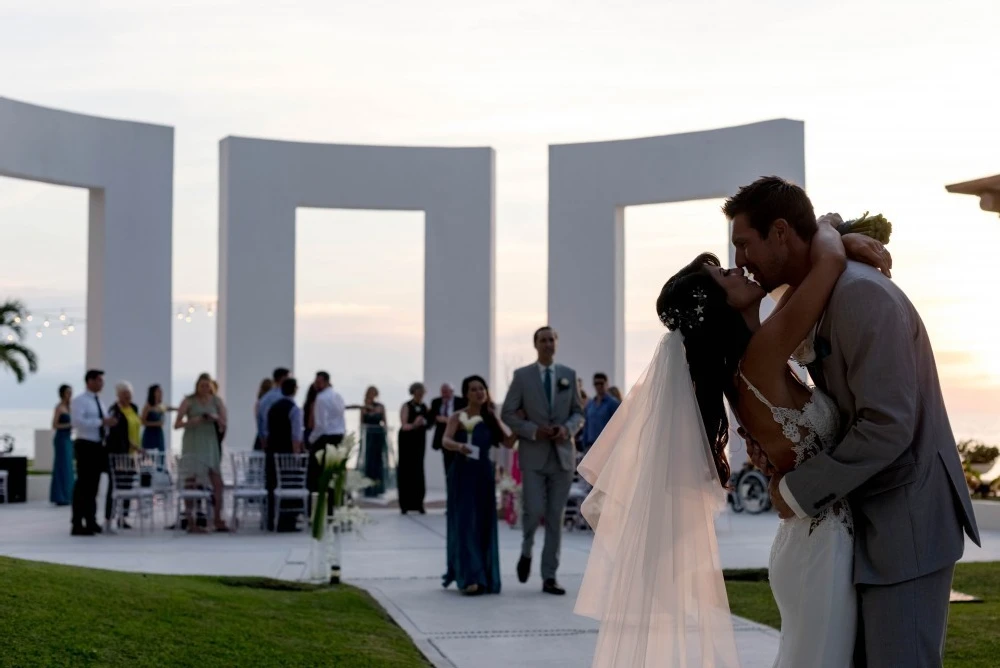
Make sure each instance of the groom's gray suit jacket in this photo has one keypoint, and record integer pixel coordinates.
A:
(896, 462)
(528, 394)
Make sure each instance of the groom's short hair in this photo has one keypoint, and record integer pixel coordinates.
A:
(769, 198)
(546, 328)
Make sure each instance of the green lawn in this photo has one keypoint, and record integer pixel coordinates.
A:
(973, 628)
(63, 616)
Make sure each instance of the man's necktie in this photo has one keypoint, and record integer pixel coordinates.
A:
(548, 385)
(100, 414)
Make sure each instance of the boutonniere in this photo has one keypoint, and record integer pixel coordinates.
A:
(563, 384)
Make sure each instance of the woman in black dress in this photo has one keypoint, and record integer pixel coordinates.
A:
(411, 445)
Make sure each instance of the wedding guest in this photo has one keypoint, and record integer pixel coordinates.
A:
(265, 386)
(91, 422)
(123, 438)
(154, 416)
(61, 488)
(472, 547)
(582, 392)
(308, 416)
(265, 402)
(442, 408)
(546, 452)
(375, 457)
(329, 426)
(597, 412)
(284, 436)
(616, 393)
(202, 415)
(412, 443)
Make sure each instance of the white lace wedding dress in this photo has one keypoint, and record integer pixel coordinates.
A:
(812, 560)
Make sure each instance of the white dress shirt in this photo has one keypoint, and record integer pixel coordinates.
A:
(328, 415)
(86, 417)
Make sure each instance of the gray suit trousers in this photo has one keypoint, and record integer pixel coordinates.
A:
(903, 624)
(543, 494)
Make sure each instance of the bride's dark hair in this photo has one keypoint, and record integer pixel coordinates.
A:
(715, 338)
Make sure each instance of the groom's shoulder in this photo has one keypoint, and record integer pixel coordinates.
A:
(863, 284)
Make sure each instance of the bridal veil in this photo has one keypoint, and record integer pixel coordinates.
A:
(654, 578)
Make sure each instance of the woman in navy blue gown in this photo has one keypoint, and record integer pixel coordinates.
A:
(63, 478)
(473, 551)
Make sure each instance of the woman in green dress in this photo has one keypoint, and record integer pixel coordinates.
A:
(202, 416)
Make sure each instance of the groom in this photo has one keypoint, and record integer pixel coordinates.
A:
(543, 408)
(896, 462)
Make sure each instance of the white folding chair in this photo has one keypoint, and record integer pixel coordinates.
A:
(126, 485)
(249, 485)
(153, 465)
(188, 492)
(290, 470)
(3, 485)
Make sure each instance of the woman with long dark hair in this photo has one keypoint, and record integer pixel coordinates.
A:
(473, 554)
(154, 416)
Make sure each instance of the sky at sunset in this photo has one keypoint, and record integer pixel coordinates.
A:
(896, 104)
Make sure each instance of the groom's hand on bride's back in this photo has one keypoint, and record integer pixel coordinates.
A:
(756, 453)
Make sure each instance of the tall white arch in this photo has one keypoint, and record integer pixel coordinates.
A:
(128, 169)
(261, 184)
(591, 184)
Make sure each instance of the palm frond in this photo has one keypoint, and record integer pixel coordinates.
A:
(15, 357)
(12, 315)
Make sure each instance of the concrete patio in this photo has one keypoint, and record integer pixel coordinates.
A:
(399, 560)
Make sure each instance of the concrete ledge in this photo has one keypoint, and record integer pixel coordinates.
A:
(987, 514)
(38, 487)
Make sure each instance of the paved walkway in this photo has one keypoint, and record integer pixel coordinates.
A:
(400, 560)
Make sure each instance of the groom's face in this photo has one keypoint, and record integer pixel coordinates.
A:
(762, 257)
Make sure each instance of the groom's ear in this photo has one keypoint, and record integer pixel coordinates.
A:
(780, 229)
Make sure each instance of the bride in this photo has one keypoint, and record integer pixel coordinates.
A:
(653, 578)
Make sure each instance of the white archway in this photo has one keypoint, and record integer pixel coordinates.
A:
(591, 184)
(262, 182)
(128, 169)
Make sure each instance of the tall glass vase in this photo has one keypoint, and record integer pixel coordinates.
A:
(334, 548)
(318, 563)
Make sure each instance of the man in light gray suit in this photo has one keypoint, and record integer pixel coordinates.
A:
(896, 462)
(543, 408)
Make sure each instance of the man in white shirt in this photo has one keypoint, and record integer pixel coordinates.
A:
(329, 424)
(91, 421)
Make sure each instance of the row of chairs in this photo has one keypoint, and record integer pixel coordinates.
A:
(142, 479)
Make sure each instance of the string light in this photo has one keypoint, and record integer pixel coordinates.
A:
(39, 334)
(62, 317)
(46, 323)
(209, 310)
(29, 317)
(10, 337)
(187, 319)
(65, 332)
(191, 309)
(180, 316)
(17, 320)
(71, 327)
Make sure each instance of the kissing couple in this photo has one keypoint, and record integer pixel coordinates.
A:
(864, 468)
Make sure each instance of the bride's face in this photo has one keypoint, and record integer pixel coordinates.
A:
(741, 292)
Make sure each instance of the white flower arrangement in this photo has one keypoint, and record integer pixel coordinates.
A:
(469, 423)
(356, 481)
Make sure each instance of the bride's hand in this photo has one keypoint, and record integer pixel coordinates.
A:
(870, 251)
